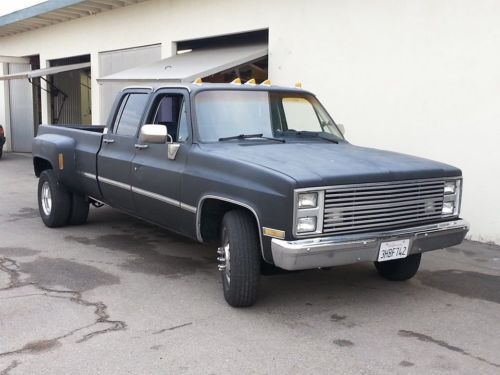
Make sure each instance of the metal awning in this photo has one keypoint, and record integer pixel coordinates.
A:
(44, 72)
(186, 67)
(51, 12)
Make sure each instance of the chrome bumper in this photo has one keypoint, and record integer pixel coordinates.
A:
(338, 250)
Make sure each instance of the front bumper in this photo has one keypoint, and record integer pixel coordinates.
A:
(335, 251)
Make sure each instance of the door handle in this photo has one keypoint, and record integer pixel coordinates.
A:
(107, 140)
(140, 147)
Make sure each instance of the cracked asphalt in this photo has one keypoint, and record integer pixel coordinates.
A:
(119, 296)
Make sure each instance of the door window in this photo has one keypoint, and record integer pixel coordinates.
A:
(170, 111)
(133, 107)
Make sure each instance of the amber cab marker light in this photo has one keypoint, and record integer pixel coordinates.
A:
(198, 81)
(298, 85)
(267, 82)
(250, 82)
(236, 81)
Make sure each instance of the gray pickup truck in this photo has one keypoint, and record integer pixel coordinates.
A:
(262, 172)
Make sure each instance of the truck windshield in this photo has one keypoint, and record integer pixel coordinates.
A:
(229, 113)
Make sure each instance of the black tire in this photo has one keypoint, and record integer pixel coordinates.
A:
(240, 278)
(1, 152)
(58, 213)
(399, 269)
(79, 209)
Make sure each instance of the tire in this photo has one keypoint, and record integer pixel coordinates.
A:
(79, 209)
(399, 269)
(1, 152)
(239, 258)
(54, 201)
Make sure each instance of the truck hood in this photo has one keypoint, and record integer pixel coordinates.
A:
(323, 164)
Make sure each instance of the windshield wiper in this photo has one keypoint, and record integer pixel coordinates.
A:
(246, 136)
(310, 133)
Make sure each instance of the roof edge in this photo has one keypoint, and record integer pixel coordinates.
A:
(36, 10)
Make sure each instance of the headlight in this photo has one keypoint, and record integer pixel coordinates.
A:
(450, 187)
(451, 201)
(307, 200)
(308, 212)
(306, 224)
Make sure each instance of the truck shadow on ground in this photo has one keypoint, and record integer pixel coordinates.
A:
(159, 252)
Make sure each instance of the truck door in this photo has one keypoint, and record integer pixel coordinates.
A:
(155, 178)
(117, 151)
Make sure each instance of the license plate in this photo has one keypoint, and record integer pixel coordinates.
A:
(393, 250)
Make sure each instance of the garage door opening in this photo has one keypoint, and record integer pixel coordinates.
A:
(70, 100)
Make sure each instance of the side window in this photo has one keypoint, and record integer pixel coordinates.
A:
(131, 112)
(300, 114)
(169, 111)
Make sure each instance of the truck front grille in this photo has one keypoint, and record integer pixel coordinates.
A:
(381, 206)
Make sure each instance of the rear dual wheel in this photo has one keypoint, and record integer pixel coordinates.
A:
(57, 205)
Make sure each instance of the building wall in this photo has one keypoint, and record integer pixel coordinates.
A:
(415, 76)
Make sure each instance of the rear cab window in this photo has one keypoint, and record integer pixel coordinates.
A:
(129, 114)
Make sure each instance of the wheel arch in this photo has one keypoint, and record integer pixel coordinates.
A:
(214, 207)
(40, 165)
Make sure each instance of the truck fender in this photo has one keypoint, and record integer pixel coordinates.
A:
(233, 202)
(59, 152)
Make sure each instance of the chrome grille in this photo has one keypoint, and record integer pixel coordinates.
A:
(381, 206)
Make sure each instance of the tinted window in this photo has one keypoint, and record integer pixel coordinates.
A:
(169, 111)
(131, 114)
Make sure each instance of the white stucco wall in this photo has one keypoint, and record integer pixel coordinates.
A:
(415, 76)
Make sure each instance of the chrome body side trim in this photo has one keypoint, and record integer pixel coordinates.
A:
(347, 249)
(89, 175)
(146, 193)
(198, 216)
(159, 197)
(114, 183)
(188, 207)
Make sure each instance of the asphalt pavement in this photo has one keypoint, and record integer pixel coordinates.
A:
(120, 296)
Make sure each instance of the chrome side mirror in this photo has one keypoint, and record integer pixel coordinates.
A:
(341, 128)
(153, 133)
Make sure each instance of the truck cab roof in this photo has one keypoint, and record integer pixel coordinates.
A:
(194, 87)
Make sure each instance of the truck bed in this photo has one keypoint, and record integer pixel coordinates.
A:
(79, 146)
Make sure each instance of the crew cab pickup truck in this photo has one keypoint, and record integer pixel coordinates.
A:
(262, 172)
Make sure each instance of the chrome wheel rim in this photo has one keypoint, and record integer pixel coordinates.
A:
(46, 199)
(224, 259)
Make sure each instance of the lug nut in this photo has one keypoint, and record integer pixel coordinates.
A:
(221, 259)
(221, 267)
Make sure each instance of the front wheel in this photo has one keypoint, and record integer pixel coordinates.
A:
(239, 258)
(399, 269)
(54, 201)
